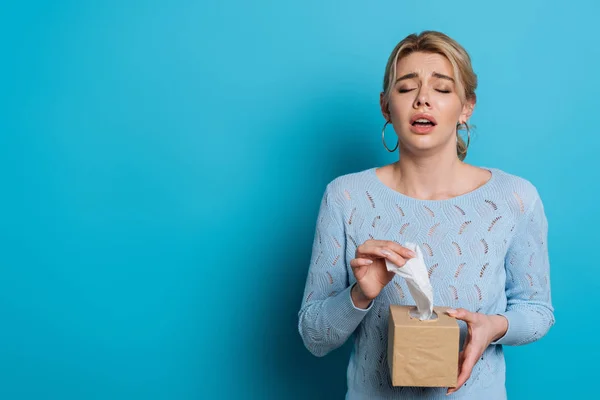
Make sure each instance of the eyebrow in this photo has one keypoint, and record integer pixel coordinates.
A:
(413, 75)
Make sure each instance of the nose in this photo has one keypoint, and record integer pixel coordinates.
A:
(422, 98)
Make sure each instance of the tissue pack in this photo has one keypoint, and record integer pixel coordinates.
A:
(422, 352)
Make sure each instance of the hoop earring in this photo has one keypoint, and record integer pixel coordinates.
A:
(383, 139)
(468, 134)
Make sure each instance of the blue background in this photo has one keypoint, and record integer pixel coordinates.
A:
(162, 165)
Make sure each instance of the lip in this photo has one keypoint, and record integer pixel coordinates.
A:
(428, 117)
(422, 129)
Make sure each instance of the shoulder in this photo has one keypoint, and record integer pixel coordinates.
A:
(517, 189)
(342, 186)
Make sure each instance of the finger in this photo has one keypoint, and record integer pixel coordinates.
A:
(461, 358)
(471, 354)
(360, 262)
(462, 314)
(368, 248)
(393, 257)
(374, 247)
(466, 343)
(360, 267)
(467, 367)
(399, 249)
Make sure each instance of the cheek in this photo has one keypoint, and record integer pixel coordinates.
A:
(400, 107)
(450, 109)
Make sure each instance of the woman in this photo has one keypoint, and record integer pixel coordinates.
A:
(482, 231)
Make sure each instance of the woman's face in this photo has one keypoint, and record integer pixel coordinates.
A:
(425, 89)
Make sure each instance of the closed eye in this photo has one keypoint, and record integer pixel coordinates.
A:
(410, 90)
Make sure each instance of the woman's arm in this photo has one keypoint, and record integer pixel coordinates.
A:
(328, 315)
(529, 308)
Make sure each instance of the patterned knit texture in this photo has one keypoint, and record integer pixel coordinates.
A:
(486, 251)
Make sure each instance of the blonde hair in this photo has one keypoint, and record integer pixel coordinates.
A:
(439, 43)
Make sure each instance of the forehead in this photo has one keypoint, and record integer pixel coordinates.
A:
(424, 64)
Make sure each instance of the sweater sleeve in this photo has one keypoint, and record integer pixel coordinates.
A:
(327, 315)
(529, 308)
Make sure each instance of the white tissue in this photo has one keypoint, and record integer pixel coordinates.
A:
(416, 276)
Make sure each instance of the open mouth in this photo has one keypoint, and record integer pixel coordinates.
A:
(423, 122)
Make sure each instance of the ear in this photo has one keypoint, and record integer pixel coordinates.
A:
(467, 110)
(383, 103)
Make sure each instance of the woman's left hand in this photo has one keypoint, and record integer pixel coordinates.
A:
(482, 330)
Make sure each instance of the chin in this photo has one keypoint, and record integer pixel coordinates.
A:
(422, 143)
(422, 140)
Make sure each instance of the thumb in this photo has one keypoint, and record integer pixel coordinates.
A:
(462, 314)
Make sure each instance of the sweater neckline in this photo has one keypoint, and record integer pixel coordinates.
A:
(464, 196)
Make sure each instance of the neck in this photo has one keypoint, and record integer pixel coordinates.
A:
(431, 177)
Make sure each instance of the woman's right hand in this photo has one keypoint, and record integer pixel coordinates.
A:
(369, 266)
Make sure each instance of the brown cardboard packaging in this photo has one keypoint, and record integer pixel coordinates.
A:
(422, 353)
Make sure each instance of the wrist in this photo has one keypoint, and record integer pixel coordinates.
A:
(500, 326)
(358, 297)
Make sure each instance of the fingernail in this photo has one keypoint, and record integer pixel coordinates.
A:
(386, 253)
(367, 262)
(413, 254)
(451, 311)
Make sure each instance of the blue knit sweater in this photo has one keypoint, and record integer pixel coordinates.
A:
(486, 251)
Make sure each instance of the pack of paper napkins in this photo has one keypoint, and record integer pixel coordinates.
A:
(423, 341)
